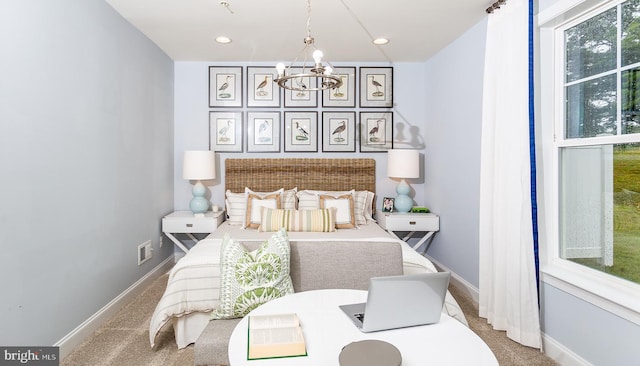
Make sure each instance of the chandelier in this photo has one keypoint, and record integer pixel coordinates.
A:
(289, 79)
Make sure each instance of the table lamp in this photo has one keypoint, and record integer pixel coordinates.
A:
(403, 163)
(199, 165)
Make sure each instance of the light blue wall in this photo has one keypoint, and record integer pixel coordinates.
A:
(596, 335)
(86, 144)
(454, 118)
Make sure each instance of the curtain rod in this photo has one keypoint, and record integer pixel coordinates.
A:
(495, 6)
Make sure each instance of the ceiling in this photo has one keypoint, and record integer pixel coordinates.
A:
(273, 30)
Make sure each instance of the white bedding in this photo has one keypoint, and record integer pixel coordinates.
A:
(193, 284)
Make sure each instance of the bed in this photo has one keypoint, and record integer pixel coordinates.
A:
(193, 285)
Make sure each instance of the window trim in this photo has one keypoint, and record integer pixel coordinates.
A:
(617, 296)
(610, 293)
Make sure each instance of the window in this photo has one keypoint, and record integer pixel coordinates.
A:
(594, 135)
(601, 86)
(600, 181)
(600, 208)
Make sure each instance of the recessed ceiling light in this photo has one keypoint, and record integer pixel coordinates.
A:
(223, 39)
(380, 41)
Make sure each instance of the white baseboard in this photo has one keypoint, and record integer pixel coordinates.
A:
(84, 330)
(560, 353)
(550, 346)
(458, 282)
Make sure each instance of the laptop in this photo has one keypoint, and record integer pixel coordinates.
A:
(400, 301)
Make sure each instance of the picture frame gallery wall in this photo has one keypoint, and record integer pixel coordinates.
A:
(250, 112)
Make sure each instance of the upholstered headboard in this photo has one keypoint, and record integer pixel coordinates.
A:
(264, 175)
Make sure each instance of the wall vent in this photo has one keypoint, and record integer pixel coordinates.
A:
(144, 252)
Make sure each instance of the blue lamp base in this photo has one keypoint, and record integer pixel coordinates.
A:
(198, 203)
(403, 202)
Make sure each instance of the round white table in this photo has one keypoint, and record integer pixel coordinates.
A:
(327, 330)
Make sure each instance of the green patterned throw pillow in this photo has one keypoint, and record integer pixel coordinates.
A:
(250, 279)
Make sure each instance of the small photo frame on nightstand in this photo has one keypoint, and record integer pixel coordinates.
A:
(387, 204)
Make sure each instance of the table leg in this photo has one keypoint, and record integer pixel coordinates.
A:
(429, 237)
(177, 242)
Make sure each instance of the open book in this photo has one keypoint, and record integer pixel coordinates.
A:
(277, 335)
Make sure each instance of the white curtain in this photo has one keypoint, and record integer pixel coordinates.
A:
(508, 293)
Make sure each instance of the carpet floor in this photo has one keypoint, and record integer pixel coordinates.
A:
(124, 339)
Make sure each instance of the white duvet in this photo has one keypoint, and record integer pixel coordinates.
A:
(194, 282)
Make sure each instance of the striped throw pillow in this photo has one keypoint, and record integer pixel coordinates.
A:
(319, 220)
(236, 207)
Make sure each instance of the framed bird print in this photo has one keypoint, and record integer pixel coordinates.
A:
(263, 131)
(225, 131)
(376, 87)
(376, 131)
(225, 86)
(300, 131)
(262, 90)
(301, 98)
(339, 131)
(345, 95)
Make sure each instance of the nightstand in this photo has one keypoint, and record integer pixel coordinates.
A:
(185, 222)
(427, 223)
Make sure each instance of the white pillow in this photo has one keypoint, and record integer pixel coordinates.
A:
(254, 203)
(289, 199)
(236, 203)
(236, 207)
(345, 216)
(368, 206)
(362, 200)
(308, 200)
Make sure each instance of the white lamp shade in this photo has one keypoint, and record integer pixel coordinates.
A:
(199, 165)
(403, 163)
